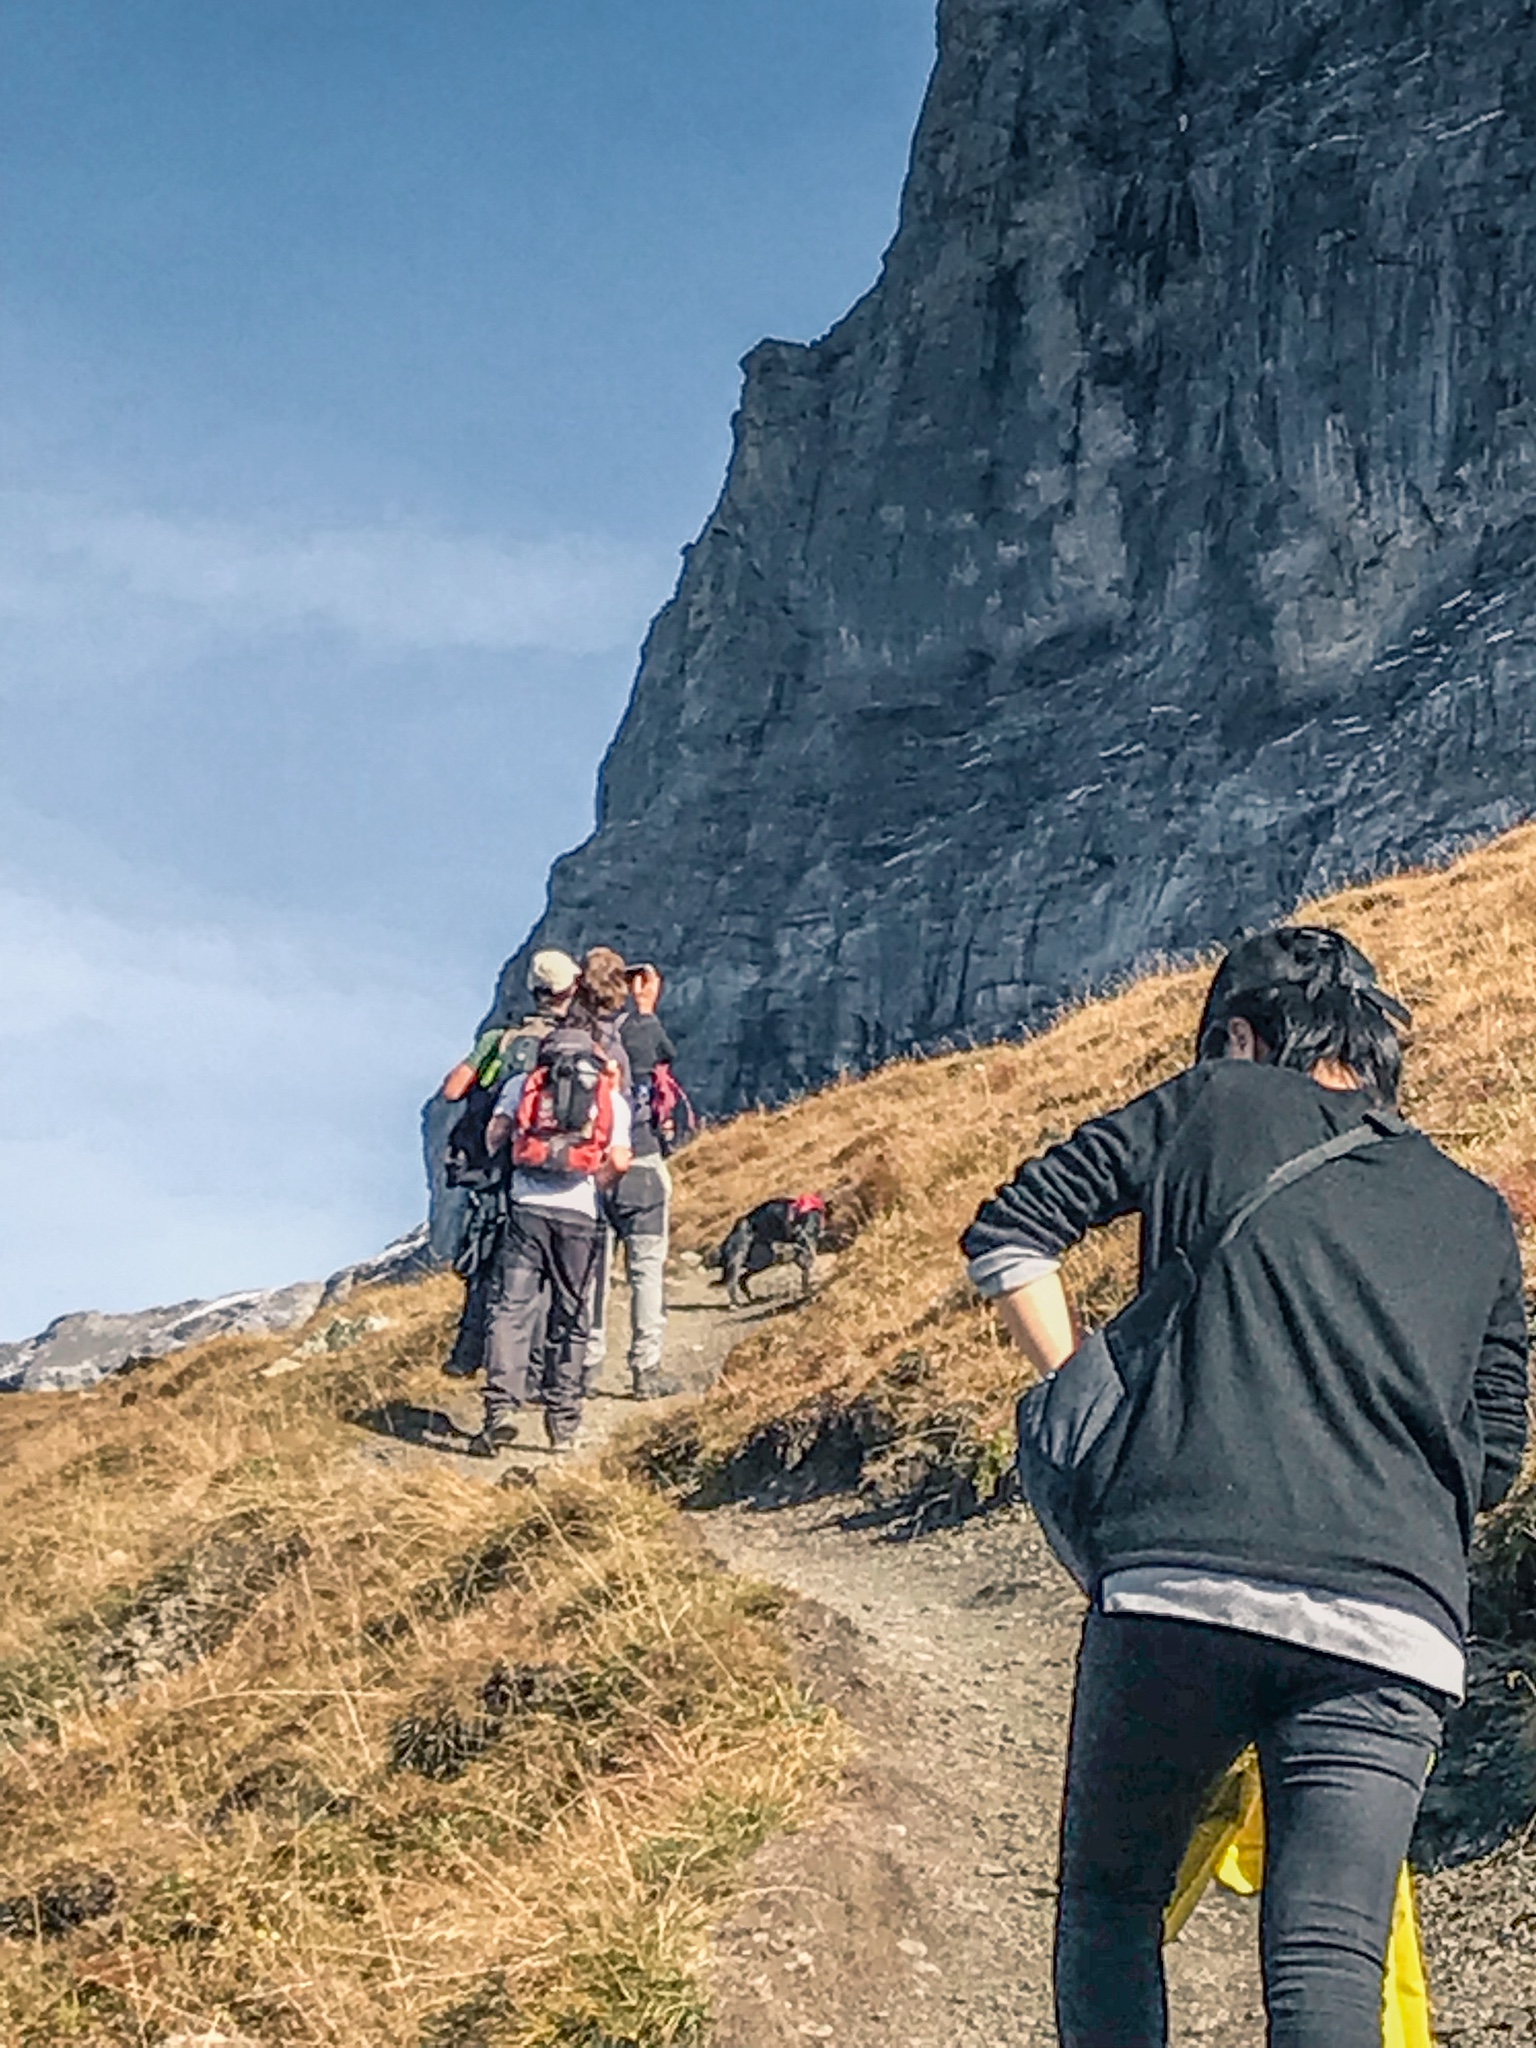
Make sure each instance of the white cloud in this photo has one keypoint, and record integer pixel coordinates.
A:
(197, 1097)
(187, 1108)
(89, 591)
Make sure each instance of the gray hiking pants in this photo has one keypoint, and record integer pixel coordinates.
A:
(539, 1320)
(646, 1261)
(638, 1212)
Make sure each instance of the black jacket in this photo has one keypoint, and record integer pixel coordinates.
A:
(647, 1044)
(1349, 1384)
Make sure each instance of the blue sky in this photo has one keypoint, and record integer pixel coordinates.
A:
(362, 370)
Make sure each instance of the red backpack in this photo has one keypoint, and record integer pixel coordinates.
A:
(565, 1113)
(672, 1114)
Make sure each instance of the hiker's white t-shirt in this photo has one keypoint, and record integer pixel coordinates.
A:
(558, 1194)
(1338, 1624)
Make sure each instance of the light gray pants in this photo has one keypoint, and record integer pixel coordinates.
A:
(639, 1210)
(646, 1259)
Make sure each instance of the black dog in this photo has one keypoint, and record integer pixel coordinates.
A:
(789, 1227)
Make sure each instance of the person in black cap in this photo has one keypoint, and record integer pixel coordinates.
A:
(1280, 1551)
(1321, 982)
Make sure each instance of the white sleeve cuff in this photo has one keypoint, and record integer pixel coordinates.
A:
(1001, 1272)
(623, 1122)
(510, 1096)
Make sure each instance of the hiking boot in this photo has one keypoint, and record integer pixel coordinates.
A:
(492, 1440)
(655, 1386)
(458, 1368)
(562, 1441)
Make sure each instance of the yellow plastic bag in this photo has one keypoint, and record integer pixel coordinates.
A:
(1228, 1844)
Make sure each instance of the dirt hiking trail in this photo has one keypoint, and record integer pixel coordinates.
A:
(701, 1329)
(918, 1912)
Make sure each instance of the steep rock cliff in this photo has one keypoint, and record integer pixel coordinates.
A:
(1154, 544)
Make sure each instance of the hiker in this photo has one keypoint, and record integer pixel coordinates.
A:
(638, 1204)
(499, 1051)
(601, 997)
(653, 1058)
(598, 1005)
(1277, 1554)
(567, 1124)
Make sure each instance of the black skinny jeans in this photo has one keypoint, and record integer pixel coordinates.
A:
(1161, 1709)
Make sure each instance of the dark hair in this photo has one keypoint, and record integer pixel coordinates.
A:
(1309, 995)
(1298, 1030)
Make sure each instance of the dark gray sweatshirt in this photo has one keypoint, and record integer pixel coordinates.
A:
(1349, 1384)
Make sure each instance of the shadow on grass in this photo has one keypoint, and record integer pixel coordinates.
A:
(404, 1422)
(756, 1309)
(853, 1453)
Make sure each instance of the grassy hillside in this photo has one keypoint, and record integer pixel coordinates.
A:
(314, 1748)
(896, 1371)
(312, 1745)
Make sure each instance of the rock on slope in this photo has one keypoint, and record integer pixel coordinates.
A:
(1153, 545)
(80, 1349)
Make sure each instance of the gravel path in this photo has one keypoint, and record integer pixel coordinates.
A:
(441, 1414)
(1480, 1948)
(920, 1911)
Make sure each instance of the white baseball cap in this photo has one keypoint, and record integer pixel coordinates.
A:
(552, 972)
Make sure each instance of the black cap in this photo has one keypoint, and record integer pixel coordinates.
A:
(1311, 957)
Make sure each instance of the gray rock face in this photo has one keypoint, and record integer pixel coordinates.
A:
(1155, 544)
(402, 1260)
(78, 1350)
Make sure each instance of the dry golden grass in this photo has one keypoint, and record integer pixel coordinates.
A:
(896, 1322)
(320, 1749)
(331, 1751)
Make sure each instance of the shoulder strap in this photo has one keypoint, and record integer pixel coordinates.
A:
(1378, 1124)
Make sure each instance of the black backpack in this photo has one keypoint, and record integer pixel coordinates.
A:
(467, 1160)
